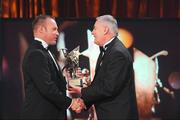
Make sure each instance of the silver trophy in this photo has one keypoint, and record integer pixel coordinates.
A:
(71, 65)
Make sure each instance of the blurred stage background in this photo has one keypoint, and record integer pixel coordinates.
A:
(150, 25)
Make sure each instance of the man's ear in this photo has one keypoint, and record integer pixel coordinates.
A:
(106, 30)
(41, 29)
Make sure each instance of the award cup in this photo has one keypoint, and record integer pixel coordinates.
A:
(71, 65)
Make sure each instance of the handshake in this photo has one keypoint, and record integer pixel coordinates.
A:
(77, 105)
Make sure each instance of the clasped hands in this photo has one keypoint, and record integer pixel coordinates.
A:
(77, 105)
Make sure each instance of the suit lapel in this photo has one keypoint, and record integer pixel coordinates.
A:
(98, 64)
(38, 44)
(58, 70)
(54, 60)
(100, 58)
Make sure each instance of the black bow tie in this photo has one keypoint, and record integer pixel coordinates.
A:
(102, 49)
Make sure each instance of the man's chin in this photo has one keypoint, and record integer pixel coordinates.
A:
(54, 42)
(96, 42)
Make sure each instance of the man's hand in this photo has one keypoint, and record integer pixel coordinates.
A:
(77, 105)
(74, 89)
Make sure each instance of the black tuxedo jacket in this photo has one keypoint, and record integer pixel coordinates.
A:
(113, 89)
(45, 86)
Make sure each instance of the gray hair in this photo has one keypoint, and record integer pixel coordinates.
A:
(110, 21)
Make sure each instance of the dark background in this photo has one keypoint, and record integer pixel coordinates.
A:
(150, 36)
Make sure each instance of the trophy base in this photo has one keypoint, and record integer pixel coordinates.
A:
(75, 82)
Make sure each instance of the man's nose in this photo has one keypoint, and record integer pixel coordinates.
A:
(57, 33)
(92, 32)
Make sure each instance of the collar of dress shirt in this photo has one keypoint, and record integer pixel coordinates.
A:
(44, 44)
(108, 43)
